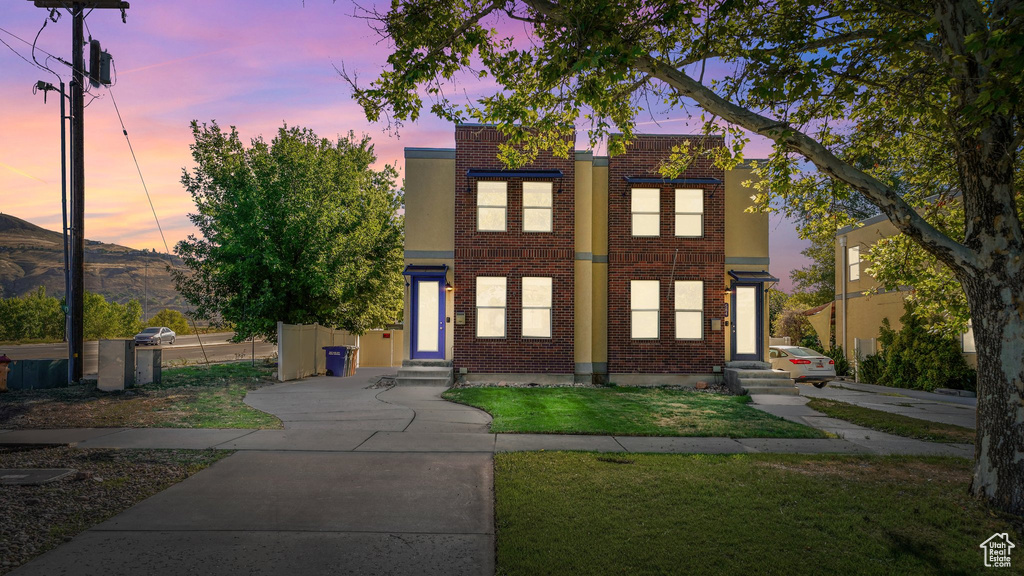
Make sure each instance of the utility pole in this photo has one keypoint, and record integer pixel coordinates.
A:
(77, 296)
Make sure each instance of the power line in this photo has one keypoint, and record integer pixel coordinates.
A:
(137, 168)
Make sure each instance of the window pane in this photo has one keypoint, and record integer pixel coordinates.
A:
(689, 225)
(746, 320)
(646, 200)
(969, 346)
(643, 294)
(689, 325)
(854, 259)
(645, 324)
(690, 201)
(491, 194)
(689, 295)
(537, 292)
(490, 322)
(537, 219)
(537, 194)
(537, 322)
(490, 291)
(646, 225)
(491, 219)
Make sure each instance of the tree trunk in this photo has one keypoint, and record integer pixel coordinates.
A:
(997, 312)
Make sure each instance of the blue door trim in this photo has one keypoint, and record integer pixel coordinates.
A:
(759, 311)
(429, 274)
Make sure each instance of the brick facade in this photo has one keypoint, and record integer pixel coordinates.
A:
(665, 258)
(512, 254)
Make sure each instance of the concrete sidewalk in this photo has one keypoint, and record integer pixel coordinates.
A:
(918, 404)
(360, 481)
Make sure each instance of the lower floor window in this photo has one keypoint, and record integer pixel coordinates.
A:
(643, 306)
(689, 306)
(536, 307)
(490, 307)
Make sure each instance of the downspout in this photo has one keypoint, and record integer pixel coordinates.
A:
(842, 244)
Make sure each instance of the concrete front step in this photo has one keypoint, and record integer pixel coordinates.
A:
(420, 381)
(769, 374)
(424, 375)
(778, 390)
(759, 380)
(436, 363)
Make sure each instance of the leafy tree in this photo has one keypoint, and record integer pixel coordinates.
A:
(172, 319)
(41, 317)
(909, 83)
(104, 319)
(300, 230)
(777, 300)
(33, 317)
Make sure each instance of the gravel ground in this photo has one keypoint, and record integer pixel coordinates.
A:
(34, 519)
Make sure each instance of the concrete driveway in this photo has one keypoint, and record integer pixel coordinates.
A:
(301, 501)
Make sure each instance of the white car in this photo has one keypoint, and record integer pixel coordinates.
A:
(803, 364)
(155, 336)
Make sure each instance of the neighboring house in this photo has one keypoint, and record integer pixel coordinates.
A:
(861, 303)
(585, 269)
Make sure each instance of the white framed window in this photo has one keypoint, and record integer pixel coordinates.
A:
(491, 206)
(643, 306)
(490, 306)
(853, 257)
(537, 207)
(645, 206)
(689, 213)
(536, 307)
(967, 343)
(689, 304)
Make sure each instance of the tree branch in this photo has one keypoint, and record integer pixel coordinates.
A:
(905, 218)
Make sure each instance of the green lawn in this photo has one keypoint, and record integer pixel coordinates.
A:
(584, 513)
(894, 423)
(626, 412)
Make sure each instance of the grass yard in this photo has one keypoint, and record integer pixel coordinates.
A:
(626, 412)
(894, 423)
(586, 513)
(190, 397)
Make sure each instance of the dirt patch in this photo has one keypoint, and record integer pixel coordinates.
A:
(884, 469)
(106, 482)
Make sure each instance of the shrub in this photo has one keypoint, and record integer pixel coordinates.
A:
(871, 368)
(839, 357)
(918, 359)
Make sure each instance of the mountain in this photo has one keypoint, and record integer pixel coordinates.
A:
(31, 257)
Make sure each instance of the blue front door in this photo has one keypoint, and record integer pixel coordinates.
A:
(428, 317)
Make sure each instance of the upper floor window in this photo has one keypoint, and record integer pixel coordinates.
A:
(643, 306)
(689, 297)
(536, 307)
(853, 257)
(689, 213)
(490, 307)
(967, 341)
(536, 207)
(491, 206)
(646, 211)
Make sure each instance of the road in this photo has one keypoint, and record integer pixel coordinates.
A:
(185, 350)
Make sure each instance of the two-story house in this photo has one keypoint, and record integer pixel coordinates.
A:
(861, 302)
(580, 269)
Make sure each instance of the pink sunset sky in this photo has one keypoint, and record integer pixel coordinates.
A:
(254, 64)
